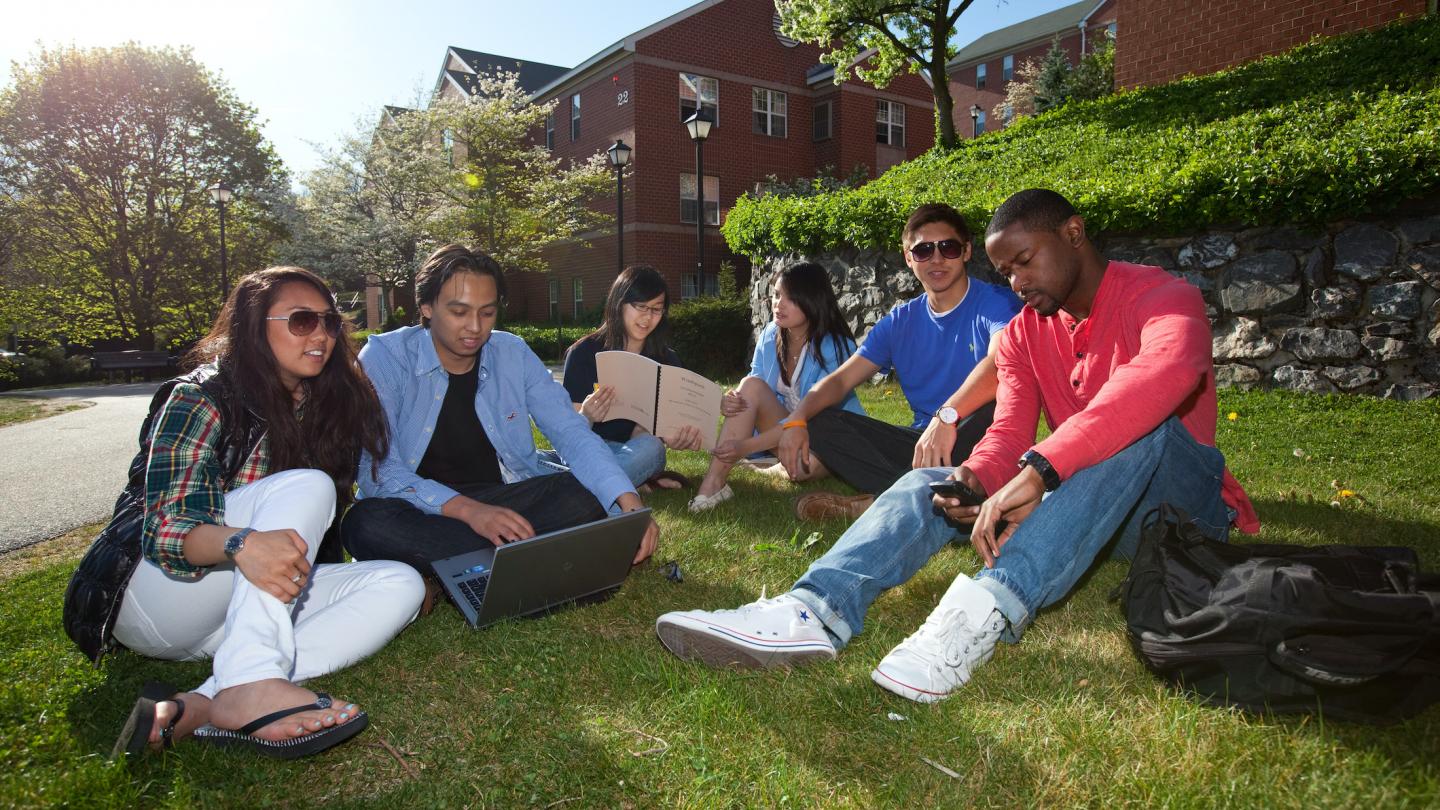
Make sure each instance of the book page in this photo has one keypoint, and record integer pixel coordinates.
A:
(634, 378)
(686, 398)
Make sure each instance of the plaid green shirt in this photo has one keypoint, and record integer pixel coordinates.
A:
(184, 484)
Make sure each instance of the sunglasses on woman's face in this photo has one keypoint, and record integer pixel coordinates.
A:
(949, 248)
(302, 322)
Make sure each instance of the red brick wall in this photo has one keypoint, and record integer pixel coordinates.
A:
(734, 43)
(1161, 40)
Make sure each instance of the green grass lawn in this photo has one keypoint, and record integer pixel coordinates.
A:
(14, 410)
(585, 708)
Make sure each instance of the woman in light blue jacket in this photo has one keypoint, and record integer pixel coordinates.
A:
(808, 339)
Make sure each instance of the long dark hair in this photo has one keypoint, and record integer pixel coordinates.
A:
(636, 285)
(342, 412)
(807, 285)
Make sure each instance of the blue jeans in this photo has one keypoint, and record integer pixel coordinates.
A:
(1045, 557)
(640, 458)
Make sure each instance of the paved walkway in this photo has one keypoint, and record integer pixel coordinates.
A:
(65, 471)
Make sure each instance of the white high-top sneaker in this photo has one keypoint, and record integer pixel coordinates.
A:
(777, 632)
(939, 658)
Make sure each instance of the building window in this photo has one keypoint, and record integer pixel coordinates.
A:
(1110, 29)
(448, 138)
(770, 112)
(577, 295)
(1007, 70)
(575, 117)
(555, 299)
(550, 130)
(702, 91)
(712, 199)
(690, 285)
(890, 123)
(980, 76)
(980, 124)
(822, 125)
(1009, 115)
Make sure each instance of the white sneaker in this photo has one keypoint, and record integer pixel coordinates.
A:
(778, 632)
(701, 503)
(939, 658)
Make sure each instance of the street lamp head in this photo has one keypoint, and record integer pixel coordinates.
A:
(975, 112)
(699, 125)
(221, 193)
(619, 155)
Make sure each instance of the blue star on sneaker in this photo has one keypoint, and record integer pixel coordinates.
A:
(804, 616)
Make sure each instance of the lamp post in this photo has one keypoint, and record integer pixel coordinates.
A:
(699, 127)
(222, 195)
(619, 158)
(975, 120)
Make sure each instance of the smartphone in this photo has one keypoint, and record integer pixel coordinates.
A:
(950, 488)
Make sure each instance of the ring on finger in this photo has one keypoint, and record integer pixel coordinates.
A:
(296, 579)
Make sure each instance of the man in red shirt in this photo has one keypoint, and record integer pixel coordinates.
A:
(1118, 358)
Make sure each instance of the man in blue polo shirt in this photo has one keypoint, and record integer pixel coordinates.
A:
(939, 346)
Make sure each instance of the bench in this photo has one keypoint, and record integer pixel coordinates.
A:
(129, 361)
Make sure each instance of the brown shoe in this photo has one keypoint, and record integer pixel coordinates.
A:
(432, 595)
(829, 505)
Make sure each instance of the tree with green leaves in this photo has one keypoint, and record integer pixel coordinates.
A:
(1052, 84)
(1094, 77)
(510, 196)
(108, 154)
(906, 36)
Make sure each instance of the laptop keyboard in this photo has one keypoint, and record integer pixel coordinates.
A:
(474, 591)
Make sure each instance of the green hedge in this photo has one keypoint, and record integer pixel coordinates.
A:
(541, 338)
(45, 366)
(712, 335)
(1339, 127)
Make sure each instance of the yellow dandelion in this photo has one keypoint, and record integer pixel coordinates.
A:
(1232, 416)
(1346, 493)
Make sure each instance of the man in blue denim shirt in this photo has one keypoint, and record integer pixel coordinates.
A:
(462, 468)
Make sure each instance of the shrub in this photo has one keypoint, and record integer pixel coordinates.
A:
(541, 338)
(44, 366)
(1340, 127)
(712, 335)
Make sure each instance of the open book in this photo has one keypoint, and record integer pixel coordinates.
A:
(658, 397)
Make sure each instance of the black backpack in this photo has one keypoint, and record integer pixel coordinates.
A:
(1351, 632)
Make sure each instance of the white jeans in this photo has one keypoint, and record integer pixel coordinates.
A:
(345, 612)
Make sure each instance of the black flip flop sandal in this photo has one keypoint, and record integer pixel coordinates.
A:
(135, 734)
(668, 475)
(295, 747)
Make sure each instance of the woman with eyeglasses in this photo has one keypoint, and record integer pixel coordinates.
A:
(808, 339)
(635, 321)
(248, 460)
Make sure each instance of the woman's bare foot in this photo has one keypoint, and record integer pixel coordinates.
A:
(240, 705)
(197, 714)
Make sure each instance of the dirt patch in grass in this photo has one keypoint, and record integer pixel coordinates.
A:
(65, 548)
(14, 410)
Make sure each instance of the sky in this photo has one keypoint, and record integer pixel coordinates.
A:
(314, 69)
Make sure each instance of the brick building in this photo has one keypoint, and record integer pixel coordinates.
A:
(1166, 39)
(980, 71)
(777, 112)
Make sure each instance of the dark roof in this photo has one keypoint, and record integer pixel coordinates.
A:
(533, 75)
(395, 112)
(1041, 26)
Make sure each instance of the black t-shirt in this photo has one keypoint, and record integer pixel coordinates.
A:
(581, 377)
(460, 454)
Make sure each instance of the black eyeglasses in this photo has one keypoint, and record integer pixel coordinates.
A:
(949, 248)
(302, 322)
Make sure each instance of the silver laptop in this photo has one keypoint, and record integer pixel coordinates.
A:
(543, 572)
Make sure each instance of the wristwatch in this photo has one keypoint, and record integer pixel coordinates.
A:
(235, 543)
(1041, 465)
(947, 416)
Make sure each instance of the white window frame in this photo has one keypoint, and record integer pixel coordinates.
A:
(554, 299)
(829, 118)
(1007, 69)
(980, 76)
(697, 86)
(577, 296)
(979, 125)
(890, 115)
(550, 130)
(712, 201)
(575, 117)
(690, 284)
(763, 106)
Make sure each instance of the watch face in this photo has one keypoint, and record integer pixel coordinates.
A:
(948, 415)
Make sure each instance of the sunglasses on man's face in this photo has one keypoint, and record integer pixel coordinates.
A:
(949, 248)
(302, 322)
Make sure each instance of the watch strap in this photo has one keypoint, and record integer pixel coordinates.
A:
(235, 542)
(1041, 465)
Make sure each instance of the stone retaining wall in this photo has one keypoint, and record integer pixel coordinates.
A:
(1353, 307)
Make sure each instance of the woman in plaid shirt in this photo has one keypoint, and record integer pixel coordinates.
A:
(229, 545)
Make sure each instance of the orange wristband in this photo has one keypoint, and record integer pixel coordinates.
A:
(792, 423)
